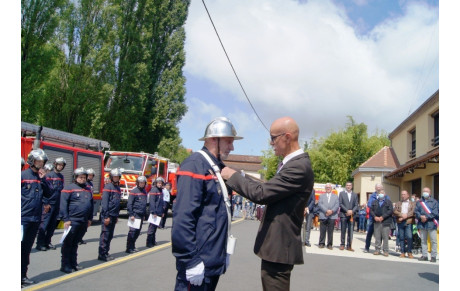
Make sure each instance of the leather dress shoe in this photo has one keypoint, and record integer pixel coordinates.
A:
(308, 244)
(350, 249)
(65, 270)
(402, 256)
(51, 247)
(330, 248)
(342, 248)
(103, 258)
(26, 281)
(410, 256)
(321, 246)
(423, 258)
(433, 260)
(376, 253)
(385, 254)
(41, 248)
(135, 250)
(77, 268)
(82, 242)
(130, 251)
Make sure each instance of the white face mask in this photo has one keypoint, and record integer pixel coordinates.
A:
(426, 195)
(381, 195)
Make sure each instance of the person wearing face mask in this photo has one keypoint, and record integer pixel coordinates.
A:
(76, 210)
(404, 213)
(427, 213)
(382, 211)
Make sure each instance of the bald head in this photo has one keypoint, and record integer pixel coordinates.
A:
(284, 134)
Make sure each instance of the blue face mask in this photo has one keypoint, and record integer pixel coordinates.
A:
(381, 196)
(426, 195)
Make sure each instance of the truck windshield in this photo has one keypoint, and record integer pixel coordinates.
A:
(129, 163)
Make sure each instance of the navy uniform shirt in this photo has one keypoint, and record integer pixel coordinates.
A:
(76, 203)
(33, 189)
(55, 182)
(137, 202)
(156, 201)
(110, 205)
(200, 221)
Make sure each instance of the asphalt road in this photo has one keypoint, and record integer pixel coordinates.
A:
(154, 269)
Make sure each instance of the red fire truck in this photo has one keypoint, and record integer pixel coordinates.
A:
(77, 150)
(134, 164)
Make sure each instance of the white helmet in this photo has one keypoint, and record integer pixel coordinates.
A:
(220, 127)
(49, 167)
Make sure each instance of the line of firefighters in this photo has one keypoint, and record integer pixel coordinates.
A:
(45, 200)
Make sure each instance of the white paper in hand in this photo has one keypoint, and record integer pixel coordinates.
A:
(136, 223)
(154, 220)
(66, 232)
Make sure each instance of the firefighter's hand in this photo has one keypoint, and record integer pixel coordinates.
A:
(47, 208)
(107, 221)
(132, 218)
(155, 216)
(41, 173)
(67, 224)
(89, 223)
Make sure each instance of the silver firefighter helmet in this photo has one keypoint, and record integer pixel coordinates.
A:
(220, 127)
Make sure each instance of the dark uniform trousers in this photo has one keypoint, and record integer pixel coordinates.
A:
(166, 207)
(326, 226)
(29, 233)
(276, 276)
(346, 227)
(209, 283)
(133, 234)
(47, 226)
(106, 236)
(151, 235)
(70, 244)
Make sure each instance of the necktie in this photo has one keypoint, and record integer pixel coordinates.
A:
(279, 166)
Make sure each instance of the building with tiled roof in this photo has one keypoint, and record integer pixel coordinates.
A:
(373, 171)
(412, 161)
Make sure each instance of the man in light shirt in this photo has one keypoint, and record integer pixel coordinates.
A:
(404, 213)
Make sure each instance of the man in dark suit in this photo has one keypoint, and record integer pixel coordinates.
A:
(348, 201)
(278, 241)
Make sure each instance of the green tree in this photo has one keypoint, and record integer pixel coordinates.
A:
(269, 163)
(334, 157)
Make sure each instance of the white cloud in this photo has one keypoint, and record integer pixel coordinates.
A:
(306, 61)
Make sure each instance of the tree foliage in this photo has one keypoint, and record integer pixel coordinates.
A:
(334, 157)
(108, 69)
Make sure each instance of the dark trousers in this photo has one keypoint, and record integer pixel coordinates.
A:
(326, 225)
(166, 206)
(276, 276)
(405, 233)
(29, 232)
(309, 220)
(370, 232)
(70, 245)
(47, 226)
(106, 236)
(209, 283)
(133, 234)
(151, 235)
(346, 228)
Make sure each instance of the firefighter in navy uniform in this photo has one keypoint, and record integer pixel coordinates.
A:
(137, 203)
(76, 210)
(200, 218)
(110, 209)
(89, 185)
(156, 209)
(33, 189)
(48, 225)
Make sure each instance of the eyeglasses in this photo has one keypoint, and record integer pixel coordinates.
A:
(274, 137)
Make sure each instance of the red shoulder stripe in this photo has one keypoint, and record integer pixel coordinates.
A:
(30, 181)
(194, 176)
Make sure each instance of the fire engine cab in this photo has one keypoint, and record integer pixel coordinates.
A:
(135, 164)
(77, 150)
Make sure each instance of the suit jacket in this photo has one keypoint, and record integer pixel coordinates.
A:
(397, 211)
(324, 206)
(346, 204)
(286, 194)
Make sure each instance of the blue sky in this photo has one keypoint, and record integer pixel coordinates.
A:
(317, 61)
